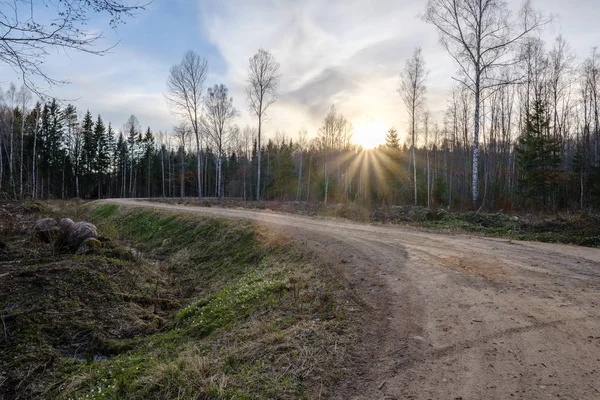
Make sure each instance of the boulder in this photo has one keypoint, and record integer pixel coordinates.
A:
(65, 225)
(78, 232)
(46, 229)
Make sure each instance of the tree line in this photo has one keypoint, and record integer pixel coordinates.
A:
(520, 131)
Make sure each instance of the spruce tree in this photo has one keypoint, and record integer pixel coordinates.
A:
(101, 161)
(148, 145)
(538, 156)
(88, 151)
(391, 138)
(120, 163)
(51, 147)
(110, 154)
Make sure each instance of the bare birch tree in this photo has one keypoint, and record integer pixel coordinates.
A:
(185, 85)
(334, 136)
(412, 90)
(263, 79)
(480, 35)
(219, 113)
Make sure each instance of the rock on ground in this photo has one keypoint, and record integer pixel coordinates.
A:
(66, 233)
(46, 229)
(78, 232)
(65, 224)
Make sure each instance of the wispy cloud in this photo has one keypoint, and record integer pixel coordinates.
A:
(344, 53)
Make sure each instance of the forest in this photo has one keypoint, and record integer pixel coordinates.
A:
(536, 145)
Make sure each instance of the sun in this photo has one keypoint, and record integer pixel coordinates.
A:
(369, 135)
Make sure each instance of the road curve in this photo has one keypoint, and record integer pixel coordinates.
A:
(457, 316)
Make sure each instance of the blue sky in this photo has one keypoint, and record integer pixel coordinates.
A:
(348, 53)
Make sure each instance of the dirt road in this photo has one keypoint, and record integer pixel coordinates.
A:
(457, 316)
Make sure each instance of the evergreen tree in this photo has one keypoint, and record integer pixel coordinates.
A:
(132, 150)
(391, 138)
(101, 161)
(110, 153)
(88, 151)
(538, 156)
(148, 146)
(120, 163)
(51, 148)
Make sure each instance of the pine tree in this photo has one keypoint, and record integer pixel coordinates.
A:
(538, 156)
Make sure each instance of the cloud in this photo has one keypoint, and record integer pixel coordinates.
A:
(348, 53)
(344, 53)
(319, 92)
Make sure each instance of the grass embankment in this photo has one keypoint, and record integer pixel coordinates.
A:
(175, 306)
(574, 228)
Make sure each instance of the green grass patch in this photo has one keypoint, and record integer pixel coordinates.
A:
(105, 210)
(232, 303)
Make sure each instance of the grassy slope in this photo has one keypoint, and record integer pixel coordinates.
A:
(176, 306)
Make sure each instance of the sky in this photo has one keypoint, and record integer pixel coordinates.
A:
(344, 53)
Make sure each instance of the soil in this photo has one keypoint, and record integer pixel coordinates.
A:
(455, 316)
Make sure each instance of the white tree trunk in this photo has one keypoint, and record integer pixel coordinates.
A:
(428, 183)
(414, 168)
(219, 175)
(22, 161)
(326, 184)
(308, 184)
(162, 164)
(199, 164)
(258, 151)
(11, 156)
(476, 147)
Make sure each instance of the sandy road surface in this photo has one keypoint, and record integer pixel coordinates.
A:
(457, 316)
